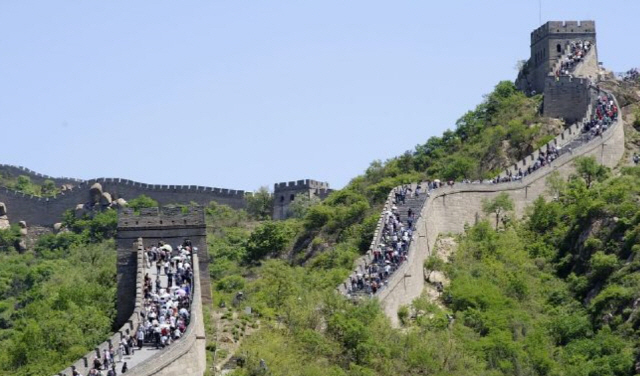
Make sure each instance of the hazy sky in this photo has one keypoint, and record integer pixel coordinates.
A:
(239, 94)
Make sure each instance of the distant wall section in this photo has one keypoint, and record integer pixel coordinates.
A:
(36, 177)
(48, 211)
(285, 193)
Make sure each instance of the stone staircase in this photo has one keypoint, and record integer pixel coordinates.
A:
(412, 202)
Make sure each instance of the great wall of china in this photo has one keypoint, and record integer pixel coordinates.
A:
(447, 210)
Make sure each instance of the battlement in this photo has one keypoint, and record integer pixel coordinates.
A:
(300, 184)
(232, 193)
(168, 217)
(563, 29)
(36, 177)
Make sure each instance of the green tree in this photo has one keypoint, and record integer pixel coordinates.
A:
(270, 238)
(48, 188)
(498, 206)
(301, 204)
(590, 170)
(142, 201)
(260, 204)
(555, 184)
(24, 184)
(9, 238)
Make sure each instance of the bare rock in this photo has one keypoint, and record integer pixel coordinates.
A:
(95, 193)
(23, 228)
(105, 199)
(437, 277)
(4, 222)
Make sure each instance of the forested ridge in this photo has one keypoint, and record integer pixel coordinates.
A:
(533, 297)
(551, 294)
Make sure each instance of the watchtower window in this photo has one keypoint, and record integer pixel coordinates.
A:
(292, 197)
(559, 47)
(281, 198)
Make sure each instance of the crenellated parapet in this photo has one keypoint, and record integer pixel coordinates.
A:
(36, 177)
(285, 193)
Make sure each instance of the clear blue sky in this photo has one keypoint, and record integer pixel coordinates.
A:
(239, 94)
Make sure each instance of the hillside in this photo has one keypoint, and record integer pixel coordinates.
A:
(288, 271)
(292, 290)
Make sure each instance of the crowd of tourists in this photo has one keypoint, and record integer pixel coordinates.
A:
(577, 52)
(166, 307)
(604, 115)
(391, 251)
(606, 112)
(544, 159)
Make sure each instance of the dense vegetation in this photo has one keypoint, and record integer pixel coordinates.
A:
(58, 300)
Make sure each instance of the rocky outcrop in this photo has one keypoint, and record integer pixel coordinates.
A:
(4, 220)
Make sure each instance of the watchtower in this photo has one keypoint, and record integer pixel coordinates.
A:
(285, 193)
(548, 44)
(172, 225)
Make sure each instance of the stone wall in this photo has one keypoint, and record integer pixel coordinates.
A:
(567, 98)
(448, 209)
(36, 177)
(47, 211)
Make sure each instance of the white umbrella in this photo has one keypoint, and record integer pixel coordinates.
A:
(436, 181)
(167, 247)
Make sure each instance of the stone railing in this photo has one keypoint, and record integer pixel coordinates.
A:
(86, 362)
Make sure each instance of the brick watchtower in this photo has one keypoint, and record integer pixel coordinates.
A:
(548, 44)
(285, 193)
(171, 225)
(566, 94)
